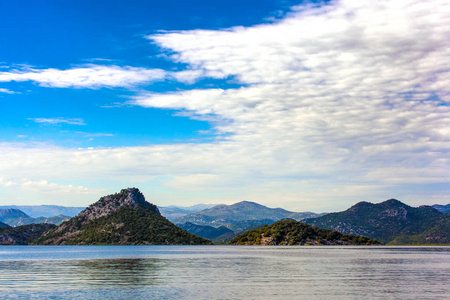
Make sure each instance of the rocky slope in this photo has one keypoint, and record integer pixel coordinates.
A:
(123, 218)
(23, 235)
(289, 232)
(384, 221)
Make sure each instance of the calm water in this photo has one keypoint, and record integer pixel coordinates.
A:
(223, 272)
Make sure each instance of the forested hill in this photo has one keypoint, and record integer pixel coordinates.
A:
(124, 218)
(385, 221)
(289, 232)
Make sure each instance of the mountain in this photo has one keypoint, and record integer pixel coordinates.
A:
(11, 216)
(36, 211)
(23, 235)
(290, 232)
(57, 220)
(173, 212)
(384, 221)
(3, 225)
(123, 218)
(15, 217)
(229, 215)
(207, 232)
(437, 234)
(442, 208)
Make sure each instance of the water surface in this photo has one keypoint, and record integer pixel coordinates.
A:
(223, 272)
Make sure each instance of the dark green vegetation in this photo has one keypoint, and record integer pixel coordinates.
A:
(207, 232)
(15, 217)
(124, 218)
(389, 222)
(290, 232)
(437, 234)
(23, 235)
(3, 225)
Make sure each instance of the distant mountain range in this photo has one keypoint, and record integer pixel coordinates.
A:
(15, 217)
(126, 218)
(390, 222)
(442, 208)
(36, 211)
(237, 217)
(173, 212)
(230, 215)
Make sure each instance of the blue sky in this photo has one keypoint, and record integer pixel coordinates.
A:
(302, 105)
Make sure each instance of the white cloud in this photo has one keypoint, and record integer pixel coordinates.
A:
(89, 76)
(49, 188)
(6, 91)
(57, 121)
(344, 102)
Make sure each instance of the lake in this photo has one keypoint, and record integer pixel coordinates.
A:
(223, 272)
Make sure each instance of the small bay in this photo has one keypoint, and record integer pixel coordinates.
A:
(223, 272)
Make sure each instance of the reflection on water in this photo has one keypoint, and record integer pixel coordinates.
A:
(213, 272)
(60, 274)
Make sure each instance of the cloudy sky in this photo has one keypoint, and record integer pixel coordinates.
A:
(293, 104)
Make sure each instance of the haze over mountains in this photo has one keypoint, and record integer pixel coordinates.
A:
(126, 218)
(229, 215)
(36, 211)
(15, 217)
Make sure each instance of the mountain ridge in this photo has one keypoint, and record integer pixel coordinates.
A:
(124, 218)
(227, 215)
(384, 221)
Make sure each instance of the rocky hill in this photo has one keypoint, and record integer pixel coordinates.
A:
(23, 235)
(289, 232)
(385, 221)
(124, 218)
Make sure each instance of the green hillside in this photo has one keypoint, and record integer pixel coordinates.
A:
(124, 218)
(385, 221)
(289, 232)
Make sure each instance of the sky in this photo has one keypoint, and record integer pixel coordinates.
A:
(305, 105)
